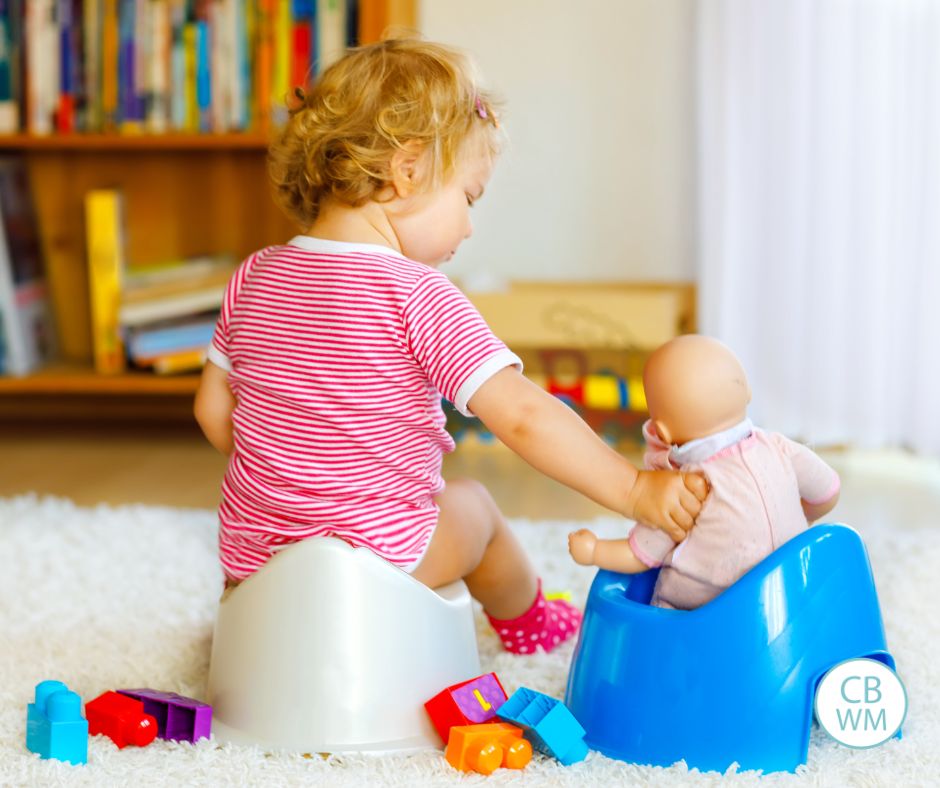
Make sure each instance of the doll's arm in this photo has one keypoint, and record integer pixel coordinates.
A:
(213, 407)
(552, 438)
(614, 554)
(818, 483)
(815, 511)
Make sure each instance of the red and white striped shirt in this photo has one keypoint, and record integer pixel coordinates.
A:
(338, 355)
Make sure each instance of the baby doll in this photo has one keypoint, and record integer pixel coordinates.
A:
(765, 488)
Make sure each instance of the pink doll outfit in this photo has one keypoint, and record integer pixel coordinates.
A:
(757, 480)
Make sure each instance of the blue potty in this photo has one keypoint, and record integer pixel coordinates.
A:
(734, 680)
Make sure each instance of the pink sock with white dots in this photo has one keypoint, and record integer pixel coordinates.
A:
(542, 627)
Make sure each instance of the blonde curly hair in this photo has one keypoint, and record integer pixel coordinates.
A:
(342, 133)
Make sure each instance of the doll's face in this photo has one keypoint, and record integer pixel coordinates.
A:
(695, 386)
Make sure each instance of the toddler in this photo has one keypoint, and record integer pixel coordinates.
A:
(332, 351)
(764, 488)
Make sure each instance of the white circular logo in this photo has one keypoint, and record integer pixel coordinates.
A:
(861, 703)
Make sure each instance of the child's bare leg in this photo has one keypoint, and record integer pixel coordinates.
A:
(473, 542)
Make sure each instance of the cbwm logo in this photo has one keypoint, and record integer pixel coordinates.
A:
(861, 703)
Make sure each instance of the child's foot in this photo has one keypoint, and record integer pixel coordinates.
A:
(543, 627)
(581, 545)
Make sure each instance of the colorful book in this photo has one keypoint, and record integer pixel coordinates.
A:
(25, 316)
(9, 110)
(146, 343)
(178, 305)
(331, 32)
(106, 255)
(176, 363)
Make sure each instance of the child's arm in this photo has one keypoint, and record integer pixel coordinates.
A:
(213, 407)
(555, 440)
(613, 554)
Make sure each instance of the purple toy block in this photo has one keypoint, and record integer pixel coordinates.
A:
(178, 718)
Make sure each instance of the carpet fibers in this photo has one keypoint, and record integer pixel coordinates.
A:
(102, 598)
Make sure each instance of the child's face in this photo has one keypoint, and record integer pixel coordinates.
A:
(431, 225)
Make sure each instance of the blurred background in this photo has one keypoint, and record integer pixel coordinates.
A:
(764, 171)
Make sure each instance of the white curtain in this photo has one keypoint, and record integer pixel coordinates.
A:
(819, 211)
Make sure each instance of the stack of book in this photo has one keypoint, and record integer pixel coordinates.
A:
(158, 317)
(168, 312)
(162, 65)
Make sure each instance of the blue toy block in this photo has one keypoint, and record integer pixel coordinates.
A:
(55, 727)
(734, 680)
(547, 723)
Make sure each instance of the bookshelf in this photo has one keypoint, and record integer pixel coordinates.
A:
(186, 194)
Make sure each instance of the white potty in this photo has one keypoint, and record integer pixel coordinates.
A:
(329, 648)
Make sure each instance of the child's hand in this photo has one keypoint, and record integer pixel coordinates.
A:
(581, 545)
(668, 500)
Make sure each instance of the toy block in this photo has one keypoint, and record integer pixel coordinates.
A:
(485, 747)
(122, 719)
(547, 723)
(55, 727)
(467, 703)
(178, 718)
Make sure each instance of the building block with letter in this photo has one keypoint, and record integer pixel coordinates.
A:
(467, 703)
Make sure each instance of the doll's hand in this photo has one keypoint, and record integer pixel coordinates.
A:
(667, 500)
(581, 546)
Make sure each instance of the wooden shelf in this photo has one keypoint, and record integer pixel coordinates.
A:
(69, 379)
(115, 143)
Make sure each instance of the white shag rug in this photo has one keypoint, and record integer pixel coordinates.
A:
(104, 598)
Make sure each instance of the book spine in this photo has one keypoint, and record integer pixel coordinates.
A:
(178, 97)
(331, 28)
(190, 45)
(264, 62)
(109, 65)
(105, 238)
(9, 111)
(159, 110)
(91, 50)
(65, 110)
(203, 75)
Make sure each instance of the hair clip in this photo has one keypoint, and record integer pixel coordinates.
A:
(482, 112)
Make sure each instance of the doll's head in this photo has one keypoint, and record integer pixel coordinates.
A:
(695, 386)
(399, 116)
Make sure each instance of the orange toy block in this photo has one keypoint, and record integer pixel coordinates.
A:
(485, 747)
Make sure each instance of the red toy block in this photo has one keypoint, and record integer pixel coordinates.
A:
(484, 748)
(468, 703)
(121, 719)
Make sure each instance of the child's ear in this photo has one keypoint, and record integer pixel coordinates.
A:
(405, 167)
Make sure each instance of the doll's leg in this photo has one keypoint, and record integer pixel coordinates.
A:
(472, 541)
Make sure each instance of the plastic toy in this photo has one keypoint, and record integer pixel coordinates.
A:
(485, 747)
(121, 719)
(547, 723)
(764, 487)
(178, 718)
(734, 679)
(467, 703)
(328, 648)
(55, 727)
